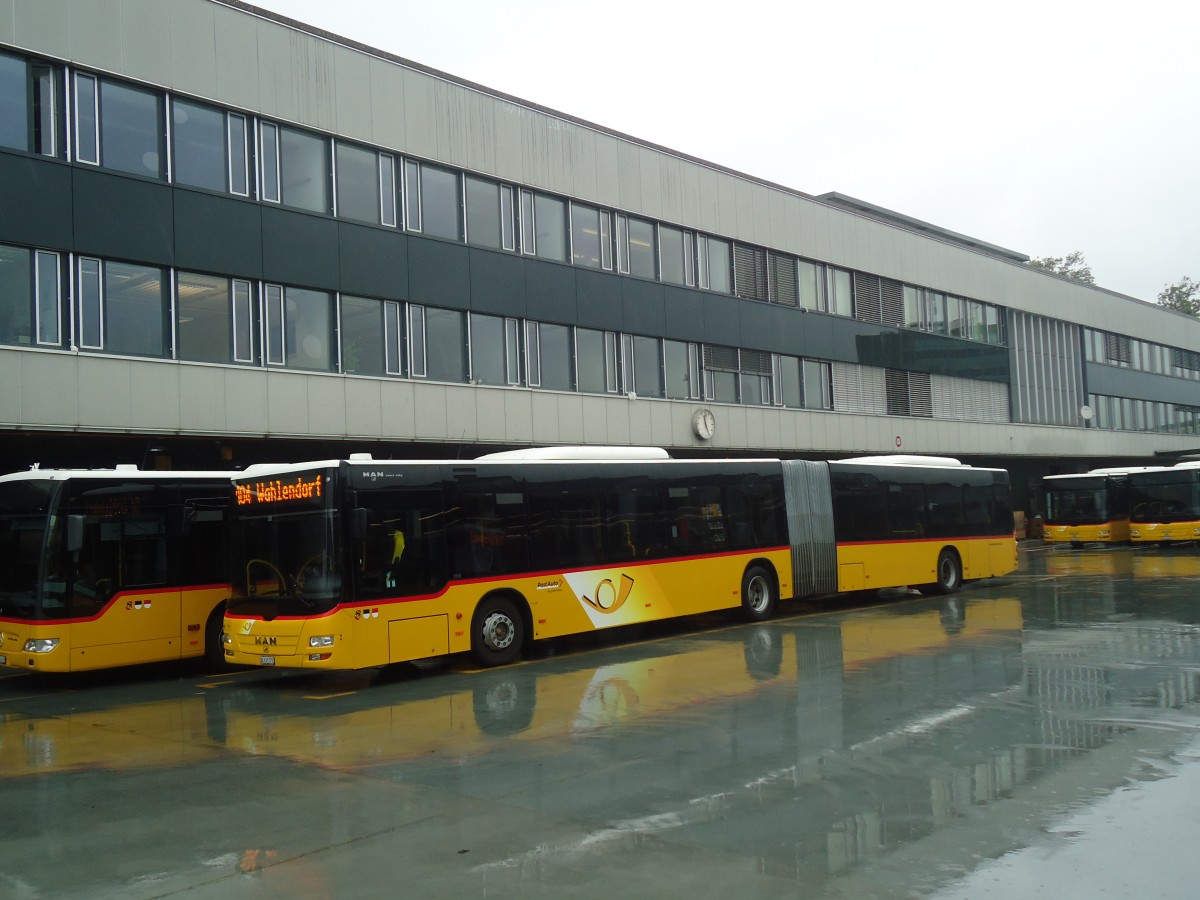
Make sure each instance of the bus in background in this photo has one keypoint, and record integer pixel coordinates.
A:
(111, 567)
(348, 564)
(1092, 507)
(1165, 504)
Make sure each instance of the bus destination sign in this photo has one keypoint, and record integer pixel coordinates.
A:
(279, 491)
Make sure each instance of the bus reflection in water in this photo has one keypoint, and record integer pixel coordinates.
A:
(111, 567)
(358, 563)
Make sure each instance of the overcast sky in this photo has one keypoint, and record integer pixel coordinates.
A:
(1044, 126)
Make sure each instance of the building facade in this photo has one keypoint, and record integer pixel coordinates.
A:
(224, 232)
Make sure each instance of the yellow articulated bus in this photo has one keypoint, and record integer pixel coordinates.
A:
(1165, 504)
(111, 567)
(348, 564)
(1091, 507)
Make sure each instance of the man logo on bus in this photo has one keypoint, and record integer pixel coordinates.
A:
(608, 599)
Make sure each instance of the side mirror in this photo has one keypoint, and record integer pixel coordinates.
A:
(74, 534)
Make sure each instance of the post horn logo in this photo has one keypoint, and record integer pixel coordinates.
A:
(608, 597)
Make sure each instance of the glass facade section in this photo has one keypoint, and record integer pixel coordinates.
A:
(489, 359)
(550, 222)
(16, 290)
(131, 130)
(135, 305)
(592, 362)
(681, 369)
(841, 296)
(446, 343)
(554, 352)
(358, 190)
(585, 237)
(641, 248)
(204, 317)
(671, 255)
(483, 213)
(303, 170)
(14, 112)
(367, 339)
(198, 145)
(441, 208)
(647, 367)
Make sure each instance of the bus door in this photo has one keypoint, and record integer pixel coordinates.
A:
(122, 609)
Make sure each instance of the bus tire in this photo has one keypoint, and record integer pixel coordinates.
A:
(949, 573)
(214, 650)
(497, 631)
(758, 594)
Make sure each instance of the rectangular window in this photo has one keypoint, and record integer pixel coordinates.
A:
(935, 312)
(484, 222)
(681, 368)
(244, 333)
(48, 291)
(488, 353)
(791, 392)
(131, 130)
(204, 310)
(199, 153)
(840, 293)
(387, 189)
(393, 338)
(14, 113)
(912, 307)
(29, 103)
(416, 341)
(641, 250)
(673, 246)
(304, 171)
(622, 244)
(528, 243)
(554, 352)
(91, 304)
(276, 351)
(512, 350)
(359, 192)
(812, 285)
(995, 333)
(269, 174)
(238, 136)
(595, 360)
(508, 240)
(606, 261)
(818, 387)
(647, 367)
(976, 327)
(16, 322)
(956, 318)
(585, 237)
(365, 336)
(87, 120)
(412, 195)
(533, 354)
(308, 324)
(135, 310)
(441, 203)
(446, 339)
(550, 222)
(718, 265)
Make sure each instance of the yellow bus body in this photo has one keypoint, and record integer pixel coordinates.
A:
(134, 627)
(1164, 532)
(1113, 532)
(884, 564)
(380, 633)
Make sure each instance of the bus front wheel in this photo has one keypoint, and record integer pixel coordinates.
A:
(497, 632)
(758, 594)
(949, 573)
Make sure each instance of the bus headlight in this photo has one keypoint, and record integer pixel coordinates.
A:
(40, 645)
(321, 640)
(226, 638)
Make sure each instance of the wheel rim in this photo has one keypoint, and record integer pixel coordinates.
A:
(499, 631)
(758, 594)
(949, 573)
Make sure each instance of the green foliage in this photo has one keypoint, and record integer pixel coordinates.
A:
(1182, 296)
(1072, 266)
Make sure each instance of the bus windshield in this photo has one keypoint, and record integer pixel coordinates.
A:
(287, 563)
(1166, 496)
(1077, 504)
(24, 513)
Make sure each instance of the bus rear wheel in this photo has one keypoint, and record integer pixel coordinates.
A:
(949, 574)
(758, 594)
(497, 632)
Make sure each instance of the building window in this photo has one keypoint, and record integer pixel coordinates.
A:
(818, 385)
(301, 169)
(548, 356)
(935, 313)
(676, 255)
(30, 95)
(30, 297)
(596, 361)
(433, 203)
(591, 241)
(213, 319)
(446, 345)
(635, 247)
(713, 264)
(416, 341)
(749, 272)
(489, 213)
(372, 335)
(299, 325)
(122, 308)
(811, 278)
(118, 126)
(841, 295)
(209, 148)
(494, 350)
(681, 370)
(791, 391)
(365, 185)
(543, 226)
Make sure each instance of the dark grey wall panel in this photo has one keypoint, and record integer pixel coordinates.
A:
(684, 314)
(722, 323)
(439, 273)
(550, 292)
(497, 282)
(36, 202)
(598, 299)
(299, 249)
(215, 233)
(760, 325)
(813, 334)
(1114, 382)
(643, 307)
(123, 218)
(374, 261)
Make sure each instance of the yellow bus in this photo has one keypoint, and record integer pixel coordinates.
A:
(1165, 504)
(359, 563)
(1091, 507)
(111, 567)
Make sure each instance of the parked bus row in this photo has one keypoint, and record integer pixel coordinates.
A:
(1159, 504)
(360, 563)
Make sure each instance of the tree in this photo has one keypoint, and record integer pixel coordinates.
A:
(1072, 266)
(1182, 296)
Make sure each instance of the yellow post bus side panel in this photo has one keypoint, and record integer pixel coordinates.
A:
(417, 638)
(105, 656)
(196, 605)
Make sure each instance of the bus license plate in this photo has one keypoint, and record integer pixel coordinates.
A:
(266, 660)
(3, 660)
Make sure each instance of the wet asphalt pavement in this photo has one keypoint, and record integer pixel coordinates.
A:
(1033, 736)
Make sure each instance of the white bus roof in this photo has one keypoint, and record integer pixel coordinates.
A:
(111, 474)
